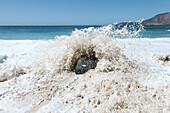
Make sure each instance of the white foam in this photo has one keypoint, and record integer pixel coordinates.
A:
(37, 75)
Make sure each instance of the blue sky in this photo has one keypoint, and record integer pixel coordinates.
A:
(78, 12)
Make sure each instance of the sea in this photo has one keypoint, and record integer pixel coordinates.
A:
(50, 32)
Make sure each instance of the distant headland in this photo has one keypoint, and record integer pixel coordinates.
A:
(160, 19)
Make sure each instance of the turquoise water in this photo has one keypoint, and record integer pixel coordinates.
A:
(36, 32)
(49, 32)
(159, 31)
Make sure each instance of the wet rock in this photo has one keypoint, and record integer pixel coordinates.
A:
(165, 59)
(2, 58)
(85, 63)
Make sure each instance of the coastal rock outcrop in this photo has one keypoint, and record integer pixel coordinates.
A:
(160, 19)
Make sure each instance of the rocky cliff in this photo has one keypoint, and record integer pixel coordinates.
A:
(160, 19)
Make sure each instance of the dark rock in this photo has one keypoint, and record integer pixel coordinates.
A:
(85, 63)
(165, 59)
(2, 58)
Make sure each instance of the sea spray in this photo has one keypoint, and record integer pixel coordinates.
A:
(62, 55)
(100, 42)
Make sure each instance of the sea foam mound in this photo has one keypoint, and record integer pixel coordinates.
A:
(49, 84)
(110, 93)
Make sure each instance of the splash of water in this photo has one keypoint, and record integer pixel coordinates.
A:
(101, 43)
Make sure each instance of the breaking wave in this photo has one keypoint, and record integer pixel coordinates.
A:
(100, 42)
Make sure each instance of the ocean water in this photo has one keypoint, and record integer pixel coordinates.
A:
(156, 31)
(36, 32)
(49, 32)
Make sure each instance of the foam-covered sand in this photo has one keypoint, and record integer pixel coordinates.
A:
(38, 77)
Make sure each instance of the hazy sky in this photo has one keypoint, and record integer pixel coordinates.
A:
(78, 12)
